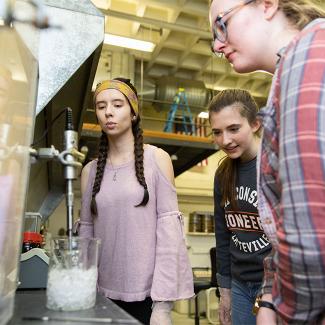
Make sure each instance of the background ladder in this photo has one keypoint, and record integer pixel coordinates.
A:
(180, 101)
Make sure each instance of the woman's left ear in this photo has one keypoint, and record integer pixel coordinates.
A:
(256, 125)
(270, 8)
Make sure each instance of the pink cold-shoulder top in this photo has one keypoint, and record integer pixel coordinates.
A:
(143, 251)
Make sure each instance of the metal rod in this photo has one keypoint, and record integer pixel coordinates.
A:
(158, 101)
(203, 34)
(69, 204)
(79, 319)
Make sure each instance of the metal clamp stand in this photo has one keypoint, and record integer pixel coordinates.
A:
(72, 160)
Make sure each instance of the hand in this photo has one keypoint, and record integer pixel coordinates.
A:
(225, 306)
(266, 315)
(161, 313)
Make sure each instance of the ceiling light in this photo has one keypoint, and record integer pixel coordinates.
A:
(130, 43)
(203, 115)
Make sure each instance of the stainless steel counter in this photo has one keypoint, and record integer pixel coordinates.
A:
(30, 309)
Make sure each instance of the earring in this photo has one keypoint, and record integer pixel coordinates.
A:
(134, 118)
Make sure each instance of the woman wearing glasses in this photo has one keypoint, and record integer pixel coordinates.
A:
(286, 38)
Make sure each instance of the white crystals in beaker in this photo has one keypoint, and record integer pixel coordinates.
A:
(71, 289)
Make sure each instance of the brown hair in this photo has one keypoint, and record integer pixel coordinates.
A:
(227, 171)
(138, 158)
(302, 12)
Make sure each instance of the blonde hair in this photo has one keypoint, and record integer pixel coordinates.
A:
(301, 12)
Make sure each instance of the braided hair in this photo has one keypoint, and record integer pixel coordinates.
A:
(138, 158)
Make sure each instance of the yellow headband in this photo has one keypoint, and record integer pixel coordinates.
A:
(123, 88)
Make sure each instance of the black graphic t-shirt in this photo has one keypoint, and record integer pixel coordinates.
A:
(240, 240)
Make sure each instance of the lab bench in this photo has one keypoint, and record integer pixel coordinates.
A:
(30, 309)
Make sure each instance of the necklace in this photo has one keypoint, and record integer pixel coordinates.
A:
(114, 170)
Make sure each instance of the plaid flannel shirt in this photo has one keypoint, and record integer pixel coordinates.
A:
(291, 179)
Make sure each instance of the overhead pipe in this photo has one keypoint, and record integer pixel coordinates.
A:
(159, 23)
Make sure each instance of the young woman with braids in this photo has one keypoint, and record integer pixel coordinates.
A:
(285, 38)
(240, 240)
(129, 201)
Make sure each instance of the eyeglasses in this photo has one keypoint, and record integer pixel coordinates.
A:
(219, 27)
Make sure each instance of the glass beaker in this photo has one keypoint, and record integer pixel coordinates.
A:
(72, 276)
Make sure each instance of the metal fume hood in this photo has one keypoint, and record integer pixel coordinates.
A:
(68, 57)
